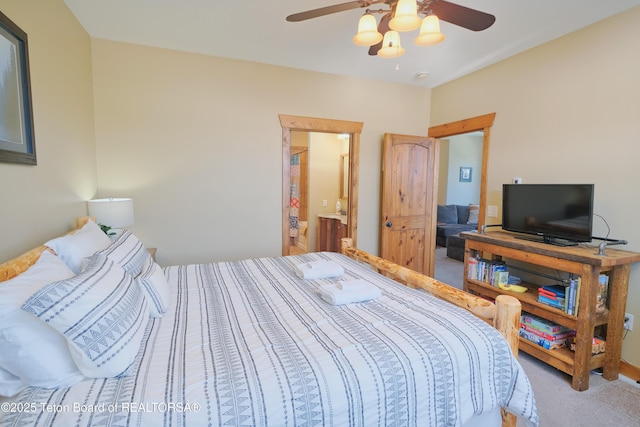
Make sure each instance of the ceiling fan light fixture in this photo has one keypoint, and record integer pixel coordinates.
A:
(429, 32)
(368, 34)
(391, 45)
(406, 16)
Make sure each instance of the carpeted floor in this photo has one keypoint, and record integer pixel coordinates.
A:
(448, 270)
(605, 403)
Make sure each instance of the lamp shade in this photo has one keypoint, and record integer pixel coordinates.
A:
(368, 34)
(391, 45)
(406, 16)
(429, 32)
(114, 212)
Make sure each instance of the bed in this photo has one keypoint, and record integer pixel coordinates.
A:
(250, 342)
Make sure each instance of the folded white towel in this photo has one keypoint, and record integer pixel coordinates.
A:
(353, 285)
(334, 295)
(318, 270)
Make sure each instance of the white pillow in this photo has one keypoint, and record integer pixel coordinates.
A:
(32, 353)
(101, 312)
(155, 287)
(128, 252)
(10, 385)
(85, 242)
(474, 210)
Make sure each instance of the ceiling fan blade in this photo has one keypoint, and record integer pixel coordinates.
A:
(462, 16)
(383, 27)
(303, 16)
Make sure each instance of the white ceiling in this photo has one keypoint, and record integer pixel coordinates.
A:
(257, 31)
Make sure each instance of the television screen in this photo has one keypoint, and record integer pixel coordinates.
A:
(553, 211)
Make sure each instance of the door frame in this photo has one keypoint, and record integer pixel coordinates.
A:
(479, 123)
(313, 124)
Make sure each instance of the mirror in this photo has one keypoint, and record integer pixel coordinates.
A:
(479, 123)
(311, 124)
(344, 176)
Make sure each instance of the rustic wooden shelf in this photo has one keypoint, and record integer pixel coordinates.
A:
(581, 261)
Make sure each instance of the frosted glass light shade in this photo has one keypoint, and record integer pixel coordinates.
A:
(406, 17)
(368, 34)
(429, 32)
(391, 45)
(114, 212)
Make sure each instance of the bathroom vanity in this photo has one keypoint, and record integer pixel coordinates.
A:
(331, 228)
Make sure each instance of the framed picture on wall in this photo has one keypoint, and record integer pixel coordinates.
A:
(465, 174)
(17, 144)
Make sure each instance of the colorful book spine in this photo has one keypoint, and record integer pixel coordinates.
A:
(556, 290)
(472, 268)
(558, 303)
(491, 272)
(571, 300)
(551, 337)
(542, 342)
(565, 298)
(541, 324)
(577, 304)
(548, 294)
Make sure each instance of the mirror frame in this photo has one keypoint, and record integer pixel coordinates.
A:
(311, 124)
(480, 123)
(344, 184)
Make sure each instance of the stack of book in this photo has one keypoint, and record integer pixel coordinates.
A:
(545, 333)
(565, 298)
(553, 295)
(491, 272)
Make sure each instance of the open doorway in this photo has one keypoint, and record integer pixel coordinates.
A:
(465, 132)
(310, 124)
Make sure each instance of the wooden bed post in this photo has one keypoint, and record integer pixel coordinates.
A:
(504, 315)
(507, 322)
(345, 242)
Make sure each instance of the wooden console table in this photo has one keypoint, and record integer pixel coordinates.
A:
(581, 261)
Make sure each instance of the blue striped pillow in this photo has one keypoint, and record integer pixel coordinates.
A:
(128, 252)
(155, 287)
(101, 312)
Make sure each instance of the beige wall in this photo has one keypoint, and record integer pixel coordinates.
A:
(462, 150)
(40, 202)
(567, 111)
(324, 173)
(196, 141)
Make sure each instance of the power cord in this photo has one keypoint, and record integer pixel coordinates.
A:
(606, 241)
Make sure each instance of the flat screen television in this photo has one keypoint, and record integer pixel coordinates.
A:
(559, 214)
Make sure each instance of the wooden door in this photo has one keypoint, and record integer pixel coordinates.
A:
(409, 201)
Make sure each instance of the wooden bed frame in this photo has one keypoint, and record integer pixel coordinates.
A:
(504, 315)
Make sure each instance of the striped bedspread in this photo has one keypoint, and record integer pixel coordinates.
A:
(249, 343)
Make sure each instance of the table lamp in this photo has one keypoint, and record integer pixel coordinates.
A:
(115, 213)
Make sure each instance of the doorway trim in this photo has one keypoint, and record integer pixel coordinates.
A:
(480, 123)
(312, 124)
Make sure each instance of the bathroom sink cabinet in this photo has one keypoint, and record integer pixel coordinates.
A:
(330, 231)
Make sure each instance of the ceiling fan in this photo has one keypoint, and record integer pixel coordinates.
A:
(402, 15)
